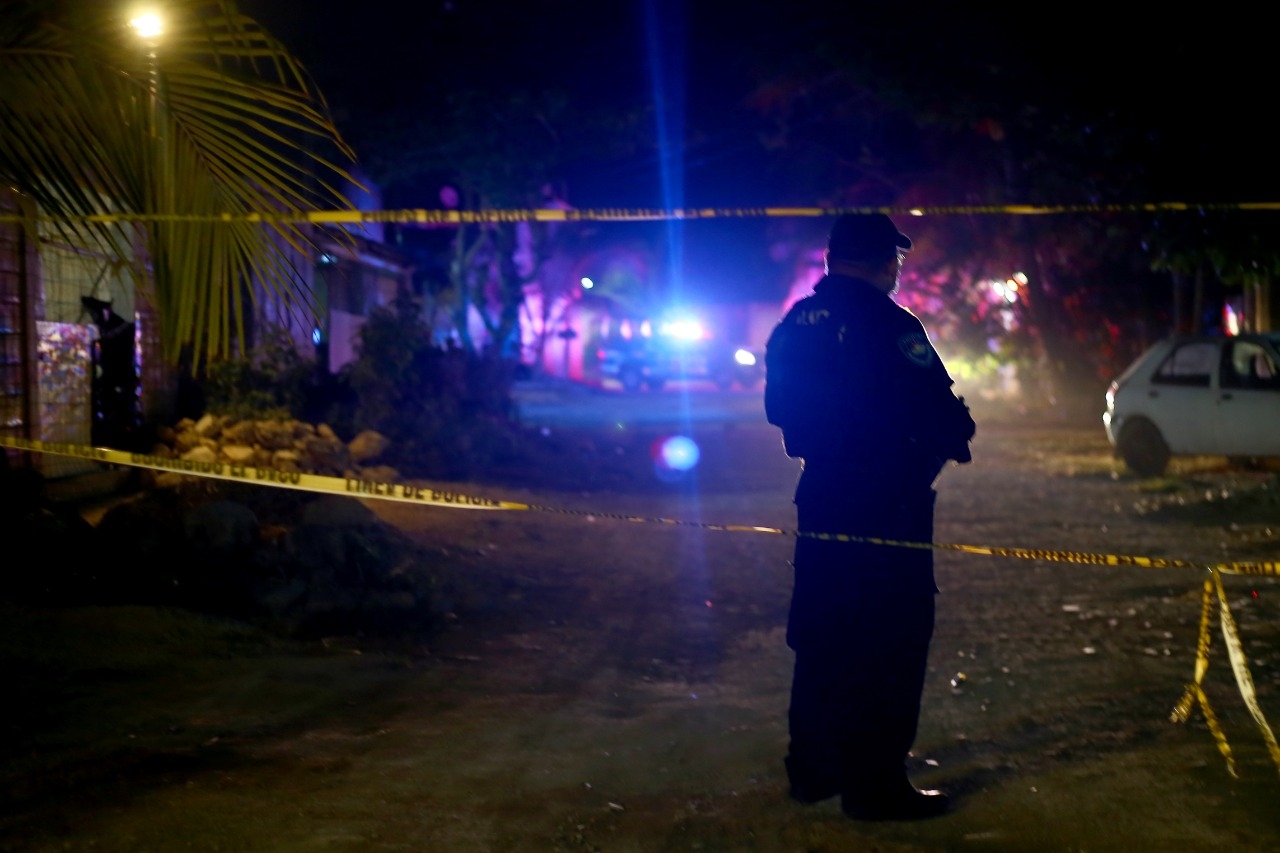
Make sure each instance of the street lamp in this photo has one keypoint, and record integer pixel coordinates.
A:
(148, 26)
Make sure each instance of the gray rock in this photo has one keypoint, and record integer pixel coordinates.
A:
(380, 474)
(327, 454)
(368, 446)
(286, 460)
(185, 440)
(208, 426)
(238, 453)
(293, 446)
(201, 454)
(274, 435)
(242, 432)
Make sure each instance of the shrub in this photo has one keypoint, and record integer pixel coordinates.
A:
(271, 382)
(448, 411)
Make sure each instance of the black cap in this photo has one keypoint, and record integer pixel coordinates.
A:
(867, 237)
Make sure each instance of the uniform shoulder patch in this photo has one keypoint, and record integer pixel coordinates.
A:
(916, 347)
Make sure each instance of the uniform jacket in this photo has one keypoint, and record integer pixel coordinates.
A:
(861, 395)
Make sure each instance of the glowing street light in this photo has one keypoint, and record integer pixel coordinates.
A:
(147, 26)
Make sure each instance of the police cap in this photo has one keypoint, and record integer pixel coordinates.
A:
(866, 237)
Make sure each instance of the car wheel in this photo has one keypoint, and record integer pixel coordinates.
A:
(1143, 448)
(630, 378)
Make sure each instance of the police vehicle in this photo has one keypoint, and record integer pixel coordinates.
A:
(677, 350)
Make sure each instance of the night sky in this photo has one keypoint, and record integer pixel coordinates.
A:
(1193, 74)
(1193, 83)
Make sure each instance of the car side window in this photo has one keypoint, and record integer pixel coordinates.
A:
(1190, 364)
(1246, 364)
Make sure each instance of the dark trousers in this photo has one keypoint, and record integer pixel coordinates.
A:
(855, 700)
(861, 621)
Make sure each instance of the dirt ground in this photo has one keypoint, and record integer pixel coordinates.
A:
(614, 685)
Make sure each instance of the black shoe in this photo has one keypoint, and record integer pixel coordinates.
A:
(902, 804)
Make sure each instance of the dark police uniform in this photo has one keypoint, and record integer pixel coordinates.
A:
(862, 397)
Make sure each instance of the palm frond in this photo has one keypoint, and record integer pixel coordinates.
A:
(216, 118)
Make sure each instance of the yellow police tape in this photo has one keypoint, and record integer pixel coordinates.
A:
(355, 487)
(427, 216)
(1239, 666)
(381, 490)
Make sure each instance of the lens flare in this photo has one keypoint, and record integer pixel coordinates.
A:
(673, 457)
(680, 453)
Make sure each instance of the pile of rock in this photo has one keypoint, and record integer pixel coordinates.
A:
(317, 566)
(285, 445)
(290, 560)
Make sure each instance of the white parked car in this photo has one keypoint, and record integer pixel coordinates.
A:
(1187, 396)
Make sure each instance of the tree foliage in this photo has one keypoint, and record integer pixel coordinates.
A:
(510, 149)
(861, 121)
(271, 380)
(448, 411)
(481, 153)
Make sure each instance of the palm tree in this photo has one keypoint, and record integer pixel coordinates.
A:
(154, 151)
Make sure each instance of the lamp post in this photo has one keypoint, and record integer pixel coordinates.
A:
(149, 27)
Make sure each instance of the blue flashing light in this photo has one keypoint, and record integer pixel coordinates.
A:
(684, 329)
(679, 453)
